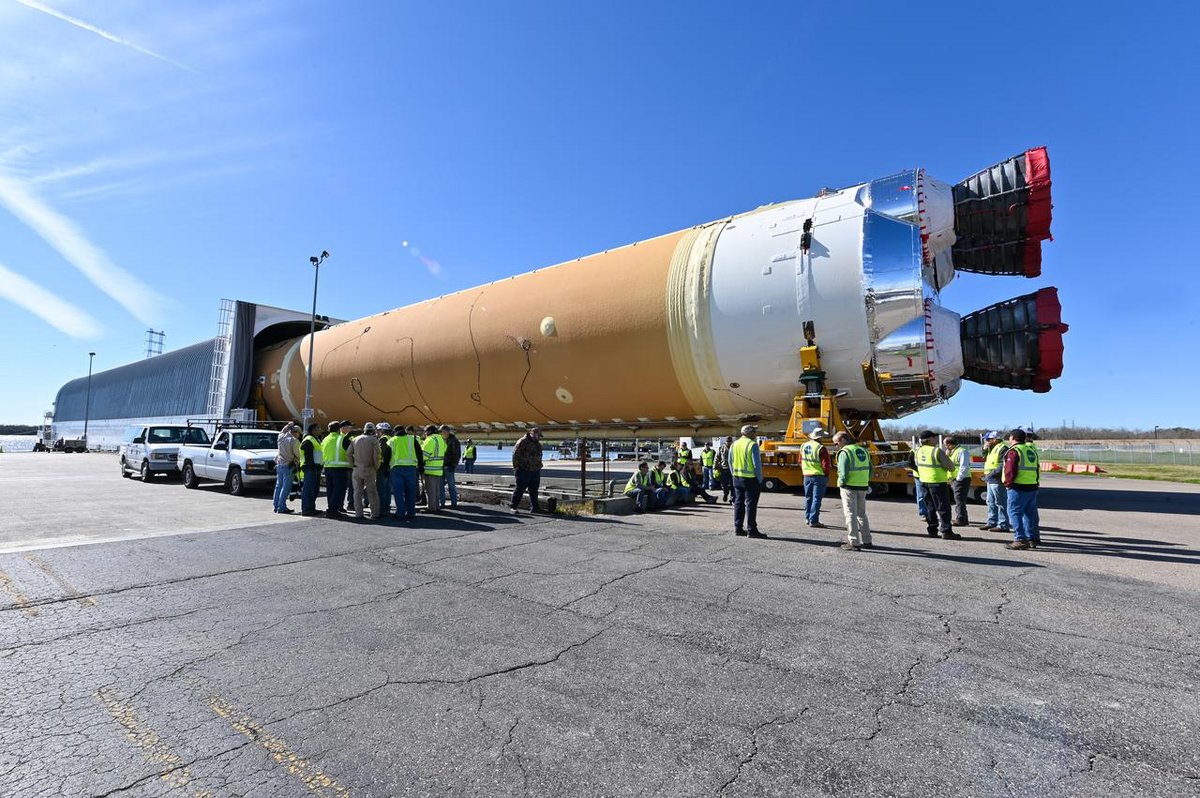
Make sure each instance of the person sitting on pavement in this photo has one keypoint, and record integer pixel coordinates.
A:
(640, 488)
(680, 492)
(658, 479)
(693, 478)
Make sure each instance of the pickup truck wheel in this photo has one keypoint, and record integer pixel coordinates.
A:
(146, 471)
(124, 469)
(189, 477)
(236, 486)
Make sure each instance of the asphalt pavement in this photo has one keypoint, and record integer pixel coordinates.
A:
(156, 641)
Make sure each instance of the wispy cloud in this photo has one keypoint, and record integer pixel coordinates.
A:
(56, 312)
(62, 234)
(96, 29)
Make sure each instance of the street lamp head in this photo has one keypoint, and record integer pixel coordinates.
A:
(324, 254)
(313, 260)
(91, 354)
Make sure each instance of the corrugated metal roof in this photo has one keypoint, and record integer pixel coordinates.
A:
(172, 384)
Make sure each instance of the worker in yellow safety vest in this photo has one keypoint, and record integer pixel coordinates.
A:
(640, 488)
(336, 463)
(815, 465)
(1022, 477)
(311, 455)
(708, 458)
(745, 462)
(994, 450)
(434, 449)
(685, 454)
(406, 462)
(469, 456)
(934, 469)
(854, 478)
(960, 477)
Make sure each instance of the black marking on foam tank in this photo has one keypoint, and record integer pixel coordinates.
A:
(747, 398)
(526, 346)
(477, 394)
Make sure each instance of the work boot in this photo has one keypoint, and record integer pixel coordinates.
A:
(1017, 545)
(741, 533)
(948, 535)
(850, 547)
(988, 528)
(754, 533)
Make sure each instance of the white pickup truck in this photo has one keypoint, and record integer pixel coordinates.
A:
(154, 449)
(240, 458)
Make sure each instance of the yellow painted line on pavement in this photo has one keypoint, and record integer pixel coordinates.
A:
(157, 751)
(20, 599)
(72, 591)
(306, 772)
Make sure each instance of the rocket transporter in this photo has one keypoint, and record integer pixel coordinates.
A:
(699, 331)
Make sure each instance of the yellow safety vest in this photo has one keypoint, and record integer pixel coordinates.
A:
(434, 448)
(685, 455)
(810, 459)
(707, 457)
(638, 481)
(469, 454)
(956, 457)
(404, 451)
(929, 469)
(673, 480)
(994, 456)
(858, 469)
(742, 458)
(332, 453)
(1028, 465)
(318, 455)
(657, 477)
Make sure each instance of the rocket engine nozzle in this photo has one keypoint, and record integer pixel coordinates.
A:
(1001, 216)
(1016, 343)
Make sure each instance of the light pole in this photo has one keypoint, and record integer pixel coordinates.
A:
(1156, 432)
(312, 334)
(87, 405)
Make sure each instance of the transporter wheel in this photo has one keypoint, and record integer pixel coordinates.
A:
(236, 486)
(979, 494)
(189, 477)
(146, 474)
(770, 483)
(124, 469)
(877, 489)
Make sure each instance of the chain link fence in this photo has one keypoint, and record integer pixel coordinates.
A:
(1152, 452)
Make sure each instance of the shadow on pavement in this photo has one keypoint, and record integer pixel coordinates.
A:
(1119, 500)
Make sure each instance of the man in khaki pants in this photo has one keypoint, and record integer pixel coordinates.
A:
(364, 456)
(854, 477)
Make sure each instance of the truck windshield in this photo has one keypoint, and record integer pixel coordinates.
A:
(255, 440)
(177, 435)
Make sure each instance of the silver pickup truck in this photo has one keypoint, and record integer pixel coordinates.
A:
(154, 449)
(240, 458)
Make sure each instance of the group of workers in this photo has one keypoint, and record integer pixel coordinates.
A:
(942, 475)
(380, 463)
(365, 469)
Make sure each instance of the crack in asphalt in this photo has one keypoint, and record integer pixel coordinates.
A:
(748, 758)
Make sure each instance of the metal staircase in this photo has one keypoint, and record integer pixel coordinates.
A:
(220, 361)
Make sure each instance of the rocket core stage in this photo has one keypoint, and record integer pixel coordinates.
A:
(698, 331)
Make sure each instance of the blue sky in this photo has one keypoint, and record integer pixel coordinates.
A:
(155, 157)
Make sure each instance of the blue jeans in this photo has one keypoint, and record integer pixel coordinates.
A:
(1023, 514)
(922, 508)
(468, 466)
(708, 478)
(449, 486)
(308, 494)
(682, 495)
(383, 486)
(997, 502)
(404, 488)
(283, 485)
(643, 499)
(662, 497)
(814, 491)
